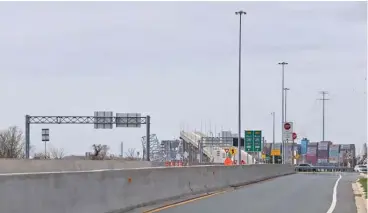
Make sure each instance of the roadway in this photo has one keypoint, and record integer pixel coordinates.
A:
(302, 193)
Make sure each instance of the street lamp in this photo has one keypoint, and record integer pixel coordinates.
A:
(240, 13)
(282, 109)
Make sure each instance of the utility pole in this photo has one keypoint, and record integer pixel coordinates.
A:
(282, 108)
(323, 99)
(273, 135)
(240, 13)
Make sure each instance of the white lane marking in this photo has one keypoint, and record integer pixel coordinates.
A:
(334, 193)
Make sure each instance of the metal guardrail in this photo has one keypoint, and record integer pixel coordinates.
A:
(323, 169)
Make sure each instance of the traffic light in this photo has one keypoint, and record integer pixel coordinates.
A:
(235, 142)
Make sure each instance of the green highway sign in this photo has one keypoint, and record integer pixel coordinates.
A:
(257, 141)
(248, 141)
(253, 140)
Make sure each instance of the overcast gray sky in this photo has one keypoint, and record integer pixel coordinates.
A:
(177, 61)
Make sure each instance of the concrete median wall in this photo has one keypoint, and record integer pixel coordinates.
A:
(19, 166)
(104, 191)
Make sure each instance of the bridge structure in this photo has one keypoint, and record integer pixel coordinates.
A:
(211, 149)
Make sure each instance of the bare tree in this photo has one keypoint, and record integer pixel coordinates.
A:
(131, 154)
(41, 156)
(56, 153)
(12, 143)
(99, 151)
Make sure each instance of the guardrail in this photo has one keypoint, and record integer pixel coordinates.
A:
(323, 169)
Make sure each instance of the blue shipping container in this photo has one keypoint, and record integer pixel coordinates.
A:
(304, 146)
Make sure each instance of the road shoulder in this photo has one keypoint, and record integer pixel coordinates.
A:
(359, 196)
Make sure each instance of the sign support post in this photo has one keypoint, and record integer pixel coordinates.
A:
(287, 131)
(45, 138)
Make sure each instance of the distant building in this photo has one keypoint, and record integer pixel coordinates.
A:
(364, 151)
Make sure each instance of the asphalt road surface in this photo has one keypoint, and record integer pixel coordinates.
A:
(302, 193)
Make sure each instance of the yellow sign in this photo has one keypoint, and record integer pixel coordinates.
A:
(263, 156)
(276, 152)
(232, 151)
(297, 156)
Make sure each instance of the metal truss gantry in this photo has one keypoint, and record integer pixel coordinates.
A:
(155, 152)
(166, 150)
(172, 149)
(83, 120)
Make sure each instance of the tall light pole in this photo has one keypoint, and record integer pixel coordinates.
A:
(240, 13)
(282, 108)
(273, 135)
(323, 99)
(286, 89)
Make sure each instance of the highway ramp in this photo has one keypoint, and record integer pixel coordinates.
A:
(302, 193)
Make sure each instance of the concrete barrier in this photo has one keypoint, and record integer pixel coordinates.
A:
(104, 191)
(15, 166)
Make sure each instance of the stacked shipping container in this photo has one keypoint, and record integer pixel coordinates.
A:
(311, 156)
(333, 154)
(303, 149)
(322, 154)
(304, 144)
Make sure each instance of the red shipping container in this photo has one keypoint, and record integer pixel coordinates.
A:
(311, 156)
(311, 159)
(322, 154)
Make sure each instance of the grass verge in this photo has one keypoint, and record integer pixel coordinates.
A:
(363, 182)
